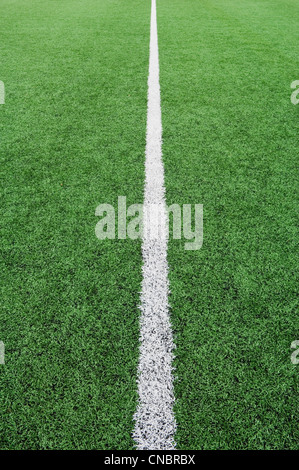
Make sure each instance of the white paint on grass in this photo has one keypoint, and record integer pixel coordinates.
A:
(2, 351)
(154, 419)
(2, 93)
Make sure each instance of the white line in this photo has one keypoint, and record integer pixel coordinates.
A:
(2, 93)
(154, 419)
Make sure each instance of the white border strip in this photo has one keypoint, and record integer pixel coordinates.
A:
(154, 419)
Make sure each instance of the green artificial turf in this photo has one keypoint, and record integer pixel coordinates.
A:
(72, 137)
(231, 144)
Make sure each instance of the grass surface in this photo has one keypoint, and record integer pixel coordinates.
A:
(231, 143)
(72, 136)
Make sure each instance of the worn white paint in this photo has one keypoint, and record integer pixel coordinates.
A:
(154, 419)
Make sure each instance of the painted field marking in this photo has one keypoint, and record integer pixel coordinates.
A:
(2, 352)
(2, 93)
(154, 419)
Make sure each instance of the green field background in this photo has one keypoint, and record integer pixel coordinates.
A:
(72, 136)
(231, 144)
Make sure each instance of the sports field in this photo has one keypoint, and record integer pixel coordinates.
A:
(73, 136)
